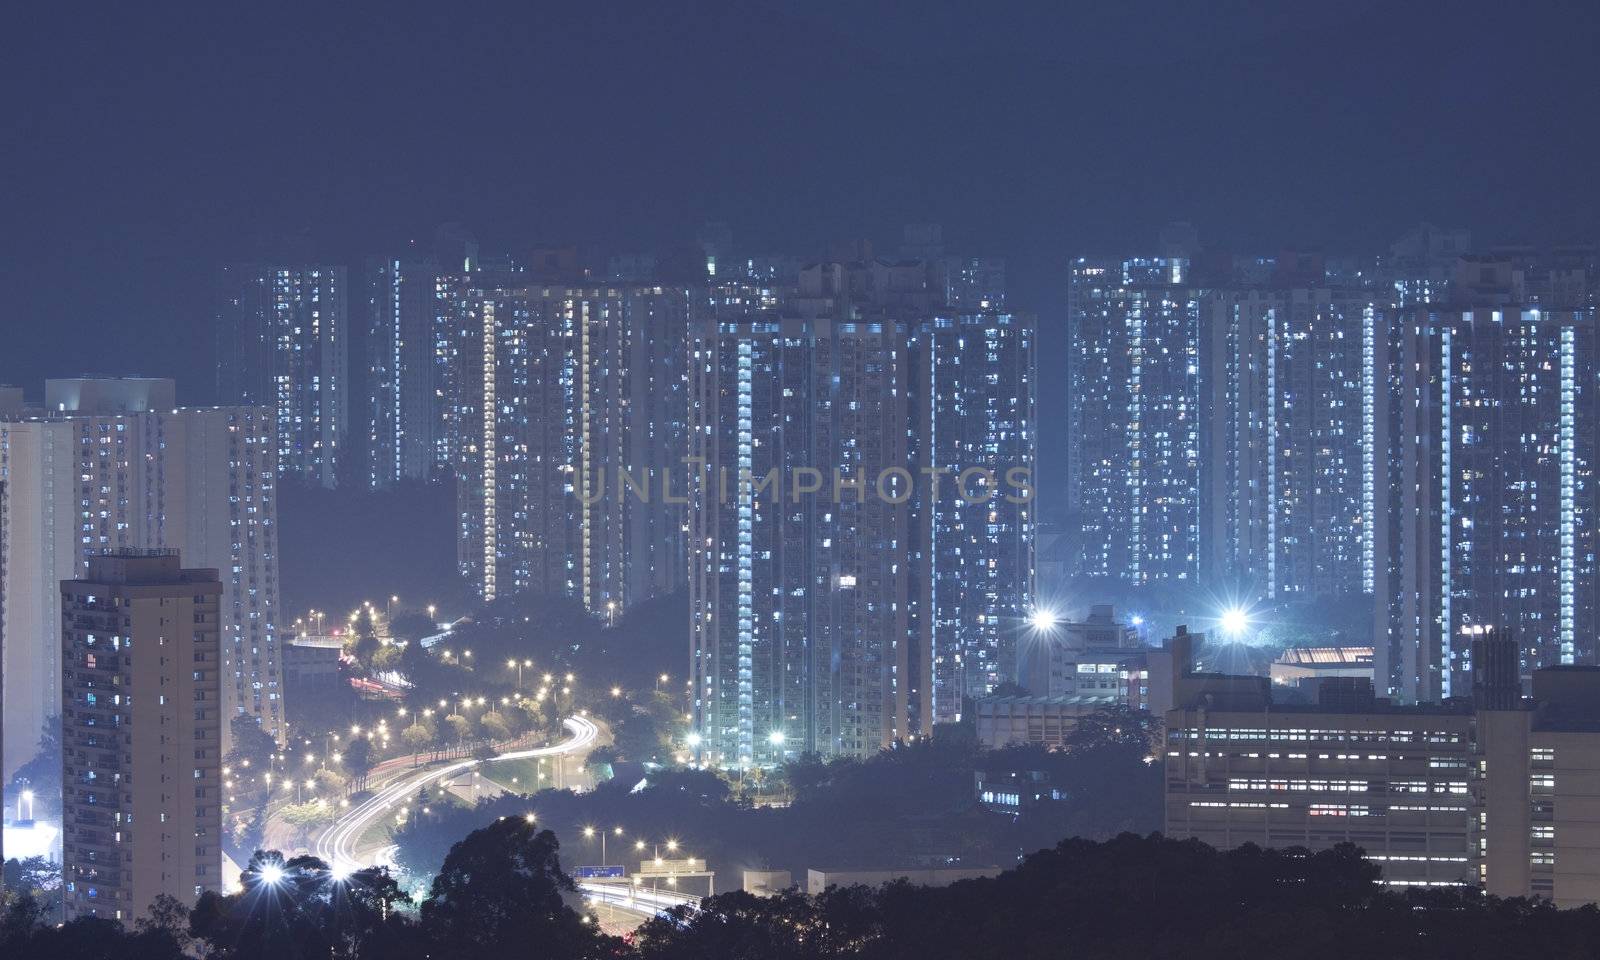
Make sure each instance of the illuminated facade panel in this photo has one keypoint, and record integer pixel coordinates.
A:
(282, 335)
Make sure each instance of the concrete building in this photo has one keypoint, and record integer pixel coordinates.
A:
(1014, 791)
(1421, 264)
(283, 340)
(141, 734)
(1393, 780)
(1493, 790)
(972, 394)
(311, 665)
(1291, 375)
(112, 465)
(1539, 822)
(571, 407)
(404, 416)
(1048, 653)
(766, 883)
(1487, 481)
(1305, 667)
(801, 569)
(1046, 721)
(844, 616)
(1135, 419)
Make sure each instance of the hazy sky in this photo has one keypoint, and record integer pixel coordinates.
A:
(145, 143)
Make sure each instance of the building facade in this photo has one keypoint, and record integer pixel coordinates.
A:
(405, 391)
(972, 389)
(1135, 423)
(1494, 512)
(133, 472)
(571, 410)
(800, 580)
(1394, 780)
(1492, 790)
(1291, 378)
(282, 338)
(141, 734)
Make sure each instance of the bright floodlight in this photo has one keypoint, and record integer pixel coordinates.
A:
(1138, 621)
(776, 737)
(1235, 621)
(694, 739)
(340, 871)
(1042, 619)
(272, 874)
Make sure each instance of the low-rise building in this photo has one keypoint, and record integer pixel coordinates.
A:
(1304, 667)
(1004, 721)
(1497, 790)
(1538, 790)
(311, 666)
(1100, 656)
(1013, 791)
(766, 883)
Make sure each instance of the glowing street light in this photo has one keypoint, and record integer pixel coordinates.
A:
(1234, 621)
(776, 738)
(517, 665)
(1042, 619)
(271, 874)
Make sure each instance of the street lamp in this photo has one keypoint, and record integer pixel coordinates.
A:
(589, 833)
(515, 664)
(1234, 621)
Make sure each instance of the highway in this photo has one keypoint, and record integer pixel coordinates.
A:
(338, 844)
(636, 900)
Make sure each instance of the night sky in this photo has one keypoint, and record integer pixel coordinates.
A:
(145, 143)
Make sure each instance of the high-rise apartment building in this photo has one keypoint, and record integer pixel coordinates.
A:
(845, 616)
(1291, 376)
(1135, 419)
(405, 391)
(570, 415)
(1493, 446)
(141, 733)
(801, 583)
(282, 335)
(113, 464)
(972, 386)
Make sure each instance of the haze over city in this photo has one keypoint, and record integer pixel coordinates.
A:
(800, 480)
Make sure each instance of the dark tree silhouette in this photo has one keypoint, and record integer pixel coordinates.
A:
(501, 890)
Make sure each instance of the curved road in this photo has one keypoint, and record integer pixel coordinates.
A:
(336, 845)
